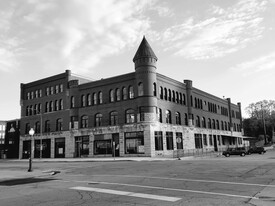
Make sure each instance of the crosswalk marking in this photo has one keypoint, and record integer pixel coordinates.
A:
(131, 194)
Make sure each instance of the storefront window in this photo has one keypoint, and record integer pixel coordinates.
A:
(134, 143)
(102, 147)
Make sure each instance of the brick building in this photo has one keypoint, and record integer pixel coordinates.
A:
(142, 113)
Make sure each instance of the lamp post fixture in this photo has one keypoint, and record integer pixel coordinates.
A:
(31, 133)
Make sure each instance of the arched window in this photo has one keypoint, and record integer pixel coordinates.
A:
(47, 107)
(56, 105)
(180, 98)
(198, 122)
(222, 125)
(39, 108)
(191, 98)
(130, 116)
(47, 126)
(169, 95)
(100, 98)
(27, 111)
(209, 123)
(59, 124)
(225, 126)
(112, 96)
(31, 110)
(35, 109)
(177, 97)
(124, 93)
(217, 124)
(84, 121)
(168, 117)
(72, 102)
(229, 128)
(117, 94)
(98, 120)
(161, 92)
(234, 127)
(196, 103)
(178, 118)
(140, 89)
(131, 92)
(94, 98)
(89, 100)
(203, 122)
(113, 118)
(183, 99)
(173, 96)
(165, 93)
(155, 89)
(201, 107)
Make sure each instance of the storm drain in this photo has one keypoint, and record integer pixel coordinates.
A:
(23, 181)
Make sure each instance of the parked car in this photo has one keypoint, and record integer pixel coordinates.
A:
(235, 151)
(259, 150)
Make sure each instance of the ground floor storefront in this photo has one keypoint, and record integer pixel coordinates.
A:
(135, 140)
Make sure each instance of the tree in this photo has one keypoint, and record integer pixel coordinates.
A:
(261, 119)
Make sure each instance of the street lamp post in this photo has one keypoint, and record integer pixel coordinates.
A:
(31, 133)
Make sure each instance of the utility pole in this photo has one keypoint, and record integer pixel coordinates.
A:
(263, 119)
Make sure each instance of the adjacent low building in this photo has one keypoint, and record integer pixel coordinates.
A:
(142, 113)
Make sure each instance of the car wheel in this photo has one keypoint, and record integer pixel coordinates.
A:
(242, 154)
(227, 155)
(262, 152)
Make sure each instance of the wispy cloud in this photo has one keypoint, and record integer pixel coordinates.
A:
(223, 31)
(79, 33)
(256, 66)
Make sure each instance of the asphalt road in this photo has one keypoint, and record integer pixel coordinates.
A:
(248, 180)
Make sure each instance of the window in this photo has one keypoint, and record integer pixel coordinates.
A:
(178, 119)
(47, 107)
(169, 141)
(173, 96)
(159, 114)
(100, 98)
(140, 89)
(84, 121)
(117, 94)
(61, 87)
(35, 109)
(59, 125)
(98, 120)
(39, 108)
(83, 100)
(31, 110)
(179, 140)
(186, 119)
(217, 124)
(131, 92)
(51, 106)
(161, 92)
(61, 107)
(154, 89)
(32, 95)
(56, 89)
(203, 122)
(198, 141)
(213, 124)
(27, 128)
(28, 96)
(124, 93)
(180, 99)
(47, 126)
(112, 96)
(165, 93)
(37, 127)
(168, 117)
(56, 105)
(36, 94)
(205, 139)
(184, 101)
(95, 98)
(130, 116)
(210, 140)
(51, 91)
(89, 100)
(177, 97)
(113, 118)
(169, 95)
(158, 141)
(134, 143)
(222, 125)
(209, 123)
(198, 124)
(47, 91)
(72, 102)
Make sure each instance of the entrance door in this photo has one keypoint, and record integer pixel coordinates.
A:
(46, 148)
(59, 148)
(215, 143)
(115, 138)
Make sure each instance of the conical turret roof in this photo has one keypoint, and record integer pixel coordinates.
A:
(144, 50)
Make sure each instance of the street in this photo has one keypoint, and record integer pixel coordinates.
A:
(234, 180)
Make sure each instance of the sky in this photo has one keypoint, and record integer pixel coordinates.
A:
(226, 47)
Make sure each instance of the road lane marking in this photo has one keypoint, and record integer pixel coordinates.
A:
(174, 189)
(131, 194)
(191, 180)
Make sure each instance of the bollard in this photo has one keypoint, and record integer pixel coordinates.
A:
(30, 165)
